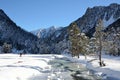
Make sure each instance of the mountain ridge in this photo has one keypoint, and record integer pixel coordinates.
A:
(87, 23)
(13, 34)
(91, 16)
(54, 40)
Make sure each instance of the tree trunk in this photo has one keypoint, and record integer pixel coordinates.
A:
(78, 56)
(85, 56)
(100, 52)
(100, 63)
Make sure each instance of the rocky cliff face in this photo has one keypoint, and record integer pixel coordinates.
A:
(108, 14)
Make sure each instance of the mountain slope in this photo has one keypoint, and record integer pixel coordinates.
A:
(12, 34)
(88, 21)
(56, 40)
(108, 14)
(43, 33)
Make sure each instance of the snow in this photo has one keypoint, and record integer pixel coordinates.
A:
(13, 67)
(107, 23)
(82, 34)
(111, 70)
(42, 33)
(58, 34)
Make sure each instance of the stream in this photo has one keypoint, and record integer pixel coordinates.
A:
(64, 69)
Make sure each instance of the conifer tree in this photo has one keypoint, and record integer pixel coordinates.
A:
(99, 35)
(83, 44)
(6, 48)
(93, 45)
(74, 33)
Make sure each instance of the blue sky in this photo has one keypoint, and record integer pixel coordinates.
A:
(36, 14)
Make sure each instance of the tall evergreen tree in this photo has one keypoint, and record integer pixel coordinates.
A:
(93, 45)
(83, 44)
(99, 35)
(74, 33)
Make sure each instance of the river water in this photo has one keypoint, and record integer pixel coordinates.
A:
(64, 69)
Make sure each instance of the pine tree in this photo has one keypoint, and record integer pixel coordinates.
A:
(74, 33)
(93, 45)
(99, 35)
(6, 48)
(83, 44)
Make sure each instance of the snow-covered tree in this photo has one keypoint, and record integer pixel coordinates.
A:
(74, 33)
(83, 44)
(112, 42)
(99, 37)
(93, 46)
(6, 48)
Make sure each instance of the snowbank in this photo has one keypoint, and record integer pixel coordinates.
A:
(110, 72)
(13, 67)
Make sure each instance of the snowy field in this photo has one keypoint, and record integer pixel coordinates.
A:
(109, 72)
(13, 67)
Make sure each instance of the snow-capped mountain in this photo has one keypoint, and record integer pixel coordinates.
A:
(108, 14)
(88, 21)
(44, 33)
(13, 34)
(55, 40)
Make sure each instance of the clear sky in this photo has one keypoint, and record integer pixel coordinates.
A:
(36, 14)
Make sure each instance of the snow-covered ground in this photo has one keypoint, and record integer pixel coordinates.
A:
(13, 67)
(111, 70)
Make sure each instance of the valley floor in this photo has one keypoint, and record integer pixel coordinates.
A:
(110, 72)
(13, 67)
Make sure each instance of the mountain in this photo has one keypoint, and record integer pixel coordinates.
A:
(12, 34)
(56, 40)
(53, 42)
(88, 21)
(112, 37)
(115, 25)
(108, 14)
(113, 32)
(44, 33)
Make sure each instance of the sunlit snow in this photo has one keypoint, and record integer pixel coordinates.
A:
(107, 23)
